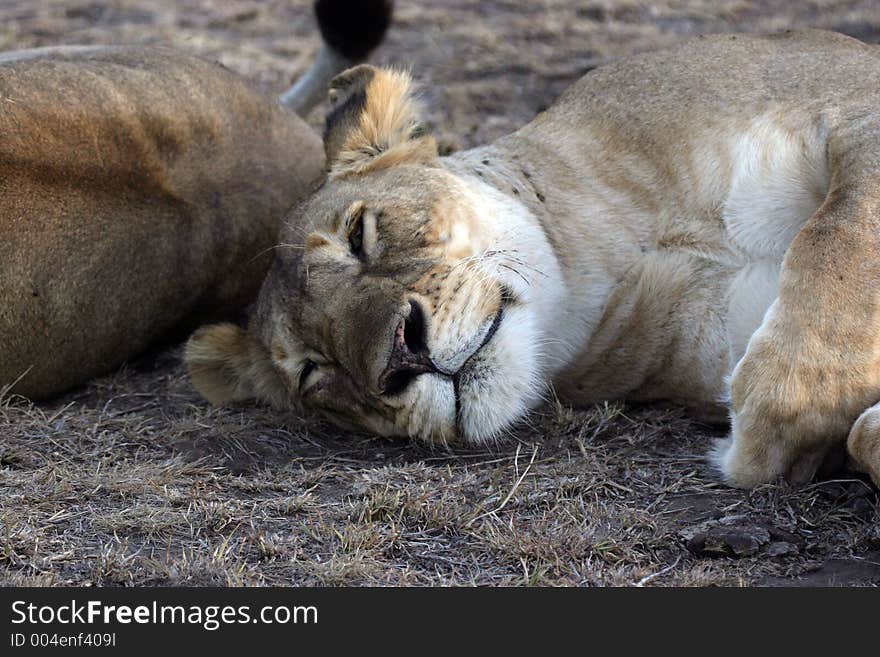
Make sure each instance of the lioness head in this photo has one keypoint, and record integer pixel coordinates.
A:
(406, 295)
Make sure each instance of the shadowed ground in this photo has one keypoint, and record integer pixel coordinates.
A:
(133, 480)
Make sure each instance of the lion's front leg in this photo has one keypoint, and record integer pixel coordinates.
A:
(792, 399)
(813, 365)
(863, 443)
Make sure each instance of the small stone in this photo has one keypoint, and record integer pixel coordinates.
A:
(725, 539)
(743, 541)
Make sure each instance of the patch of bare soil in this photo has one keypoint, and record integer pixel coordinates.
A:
(133, 480)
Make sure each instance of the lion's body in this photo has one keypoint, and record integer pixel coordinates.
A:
(675, 221)
(139, 192)
(673, 184)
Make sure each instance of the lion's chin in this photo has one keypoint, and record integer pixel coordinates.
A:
(429, 414)
(492, 392)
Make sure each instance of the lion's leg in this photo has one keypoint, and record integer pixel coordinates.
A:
(814, 364)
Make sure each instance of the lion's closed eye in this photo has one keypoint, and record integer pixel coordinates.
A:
(356, 236)
(359, 227)
(309, 368)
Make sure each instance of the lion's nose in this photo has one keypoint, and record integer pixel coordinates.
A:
(409, 353)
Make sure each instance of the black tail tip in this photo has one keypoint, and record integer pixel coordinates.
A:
(353, 28)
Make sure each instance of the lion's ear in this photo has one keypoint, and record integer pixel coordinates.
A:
(226, 365)
(374, 122)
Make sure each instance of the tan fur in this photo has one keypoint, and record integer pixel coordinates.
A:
(227, 365)
(676, 221)
(140, 193)
(863, 443)
(383, 135)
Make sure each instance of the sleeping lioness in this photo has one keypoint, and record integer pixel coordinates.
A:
(699, 225)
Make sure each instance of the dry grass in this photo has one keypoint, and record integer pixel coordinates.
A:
(132, 480)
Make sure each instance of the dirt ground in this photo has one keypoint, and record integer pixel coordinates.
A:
(133, 480)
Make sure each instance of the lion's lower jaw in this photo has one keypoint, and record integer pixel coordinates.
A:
(430, 413)
(503, 384)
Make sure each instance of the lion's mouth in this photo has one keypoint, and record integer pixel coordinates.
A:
(493, 329)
